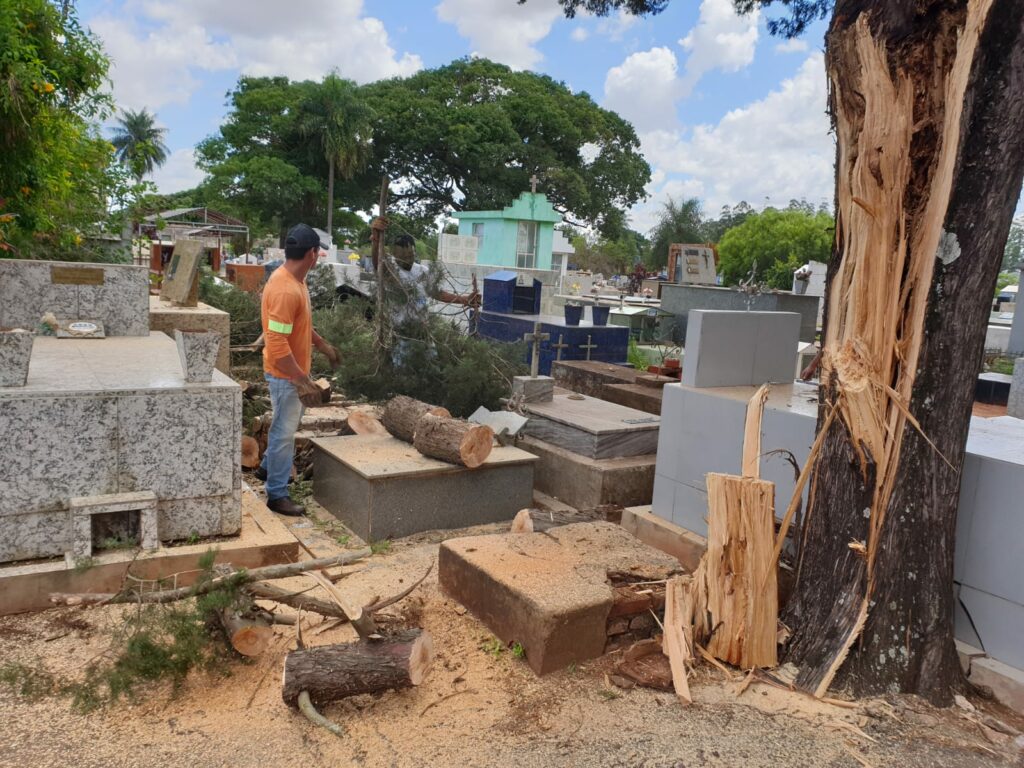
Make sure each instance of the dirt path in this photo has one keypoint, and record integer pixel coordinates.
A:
(477, 708)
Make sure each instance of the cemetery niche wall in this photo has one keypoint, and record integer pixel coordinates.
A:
(106, 441)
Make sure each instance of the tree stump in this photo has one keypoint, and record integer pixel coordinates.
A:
(453, 440)
(401, 414)
(335, 672)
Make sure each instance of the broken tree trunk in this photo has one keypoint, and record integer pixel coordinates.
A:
(927, 100)
(401, 414)
(453, 440)
(677, 640)
(335, 672)
(735, 606)
(249, 636)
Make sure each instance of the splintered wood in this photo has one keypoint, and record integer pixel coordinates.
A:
(677, 641)
(736, 614)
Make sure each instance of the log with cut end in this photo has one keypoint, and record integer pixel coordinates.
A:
(453, 440)
(333, 672)
(363, 423)
(523, 522)
(249, 636)
(401, 414)
(325, 390)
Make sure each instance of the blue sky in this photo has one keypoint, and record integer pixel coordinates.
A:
(725, 112)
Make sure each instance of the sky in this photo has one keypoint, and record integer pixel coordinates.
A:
(724, 111)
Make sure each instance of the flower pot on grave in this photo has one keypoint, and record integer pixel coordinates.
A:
(670, 362)
(197, 351)
(15, 354)
(599, 315)
(573, 314)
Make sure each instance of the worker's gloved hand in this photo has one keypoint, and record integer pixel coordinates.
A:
(309, 393)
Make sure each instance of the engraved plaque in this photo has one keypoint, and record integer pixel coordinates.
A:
(76, 275)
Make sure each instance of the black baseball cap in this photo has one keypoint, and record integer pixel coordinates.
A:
(303, 236)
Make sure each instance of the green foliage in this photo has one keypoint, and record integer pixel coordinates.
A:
(243, 307)
(1013, 253)
(731, 216)
(610, 256)
(381, 547)
(494, 647)
(28, 682)
(635, 357)
(680, 222)
(518, 651)
(1006, 278)
(777, 242)
(56, 173)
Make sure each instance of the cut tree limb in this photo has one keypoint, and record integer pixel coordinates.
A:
(453, 440)
(306, 707)
(401, 414)
(249, 636)
(362, 423)
(333, 672)
(523, 522)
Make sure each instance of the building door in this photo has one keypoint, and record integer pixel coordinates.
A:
(526, 245)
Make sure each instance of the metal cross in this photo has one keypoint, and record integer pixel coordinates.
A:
(536, 338)
(559, 347)
(533, 183)
(588, 346)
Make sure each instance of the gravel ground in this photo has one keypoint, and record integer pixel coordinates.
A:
(474, 709)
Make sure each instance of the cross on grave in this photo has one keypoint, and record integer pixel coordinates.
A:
(559, 347)
(536, 338)
(533, 183)
(588, 346)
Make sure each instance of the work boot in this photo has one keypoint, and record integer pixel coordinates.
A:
(285, 506)
(261, 474)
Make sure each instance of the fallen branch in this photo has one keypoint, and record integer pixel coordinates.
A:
(306, 707)
(237, 578)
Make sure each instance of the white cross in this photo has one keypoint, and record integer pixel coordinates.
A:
(533, 183)
(536, 338)
(588, 346)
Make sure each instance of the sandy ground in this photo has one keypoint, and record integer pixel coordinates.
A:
(474, 709)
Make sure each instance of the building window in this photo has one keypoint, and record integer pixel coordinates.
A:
(478, 233)
(526, 245)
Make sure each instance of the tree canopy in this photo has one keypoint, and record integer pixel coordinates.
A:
(465, 136)
(777, 242)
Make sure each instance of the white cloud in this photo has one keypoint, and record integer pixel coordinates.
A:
(722, 39)
(772, 150)
(644, 89)
(793, 45)
(158, 46)
(502, 30)
(615, 27)
(178, 173)
(579, 34)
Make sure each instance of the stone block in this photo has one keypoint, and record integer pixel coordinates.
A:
(1015, 404)
(167, 318)
(1006, 682)
(587, 483)
(198, 352)
(15, 354)
(728, 349)
(592, 427)
(382, 488)
(116, 295)
(685, 546)
(633, 396)
(549, 592)
(529, 389)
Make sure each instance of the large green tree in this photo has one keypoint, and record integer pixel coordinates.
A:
(335, 115)
(55, 168)
(773, 244)
(927, 102)
(469, 136)
(139, 142)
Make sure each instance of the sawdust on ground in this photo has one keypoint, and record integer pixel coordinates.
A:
(476, 708)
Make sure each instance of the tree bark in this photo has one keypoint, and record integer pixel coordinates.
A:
(927, 99)
(401, 414)
(335, 672)
(453, 440)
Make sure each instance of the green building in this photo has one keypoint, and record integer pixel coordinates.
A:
(519, 236)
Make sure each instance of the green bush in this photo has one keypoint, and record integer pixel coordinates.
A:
(243, 307)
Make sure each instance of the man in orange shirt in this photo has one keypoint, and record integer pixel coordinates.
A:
(287, 357)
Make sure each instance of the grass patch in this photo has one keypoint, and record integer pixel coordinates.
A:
(518, 651)
(380, 547)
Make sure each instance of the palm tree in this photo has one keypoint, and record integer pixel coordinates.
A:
(139, 142)
(680, 222)
(338, 118)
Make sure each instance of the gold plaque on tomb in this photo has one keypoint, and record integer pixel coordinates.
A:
(76, 276)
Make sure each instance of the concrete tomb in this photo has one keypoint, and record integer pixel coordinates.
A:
(590, 427)
(383, 488)
(726, 349)
(1015, 403)
(167, 317)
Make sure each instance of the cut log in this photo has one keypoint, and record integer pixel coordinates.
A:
(250, 637)
(362, 423)
(325, 390)
(335, 672)
(735, 607)
(453, 440)
(677, 642)
(523, 522)
(401, 414)
(250, 452)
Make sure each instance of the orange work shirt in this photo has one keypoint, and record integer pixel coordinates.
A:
(287, 322)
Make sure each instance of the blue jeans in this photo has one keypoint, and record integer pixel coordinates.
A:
(277, 461)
